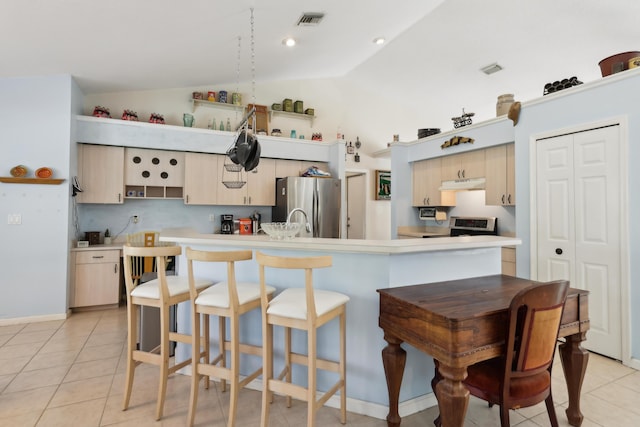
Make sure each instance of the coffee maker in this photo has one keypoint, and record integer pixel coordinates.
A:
(226, 226)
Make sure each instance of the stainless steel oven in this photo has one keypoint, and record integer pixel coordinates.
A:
(473, 226)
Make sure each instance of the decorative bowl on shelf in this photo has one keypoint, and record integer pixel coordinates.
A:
(19, 171)
(281, 230)
(44, 173)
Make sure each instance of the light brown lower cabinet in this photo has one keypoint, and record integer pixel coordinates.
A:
(97, 278)
(509, 261)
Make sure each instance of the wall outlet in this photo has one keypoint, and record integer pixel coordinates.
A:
(14, 219)
(135, 219)
(212, 217)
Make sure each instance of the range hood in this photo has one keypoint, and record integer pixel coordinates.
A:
(463, 184)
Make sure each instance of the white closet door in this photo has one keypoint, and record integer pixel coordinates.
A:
(578, 198)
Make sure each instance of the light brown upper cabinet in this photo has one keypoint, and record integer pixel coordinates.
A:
(100, 174)
(500, 175)
(426, 183)
(259, 188)
(465, 165)
(152, 173)
(201, 178)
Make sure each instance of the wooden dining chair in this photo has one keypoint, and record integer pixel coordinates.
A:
(521, 377)
(305, 309)
(228, 299)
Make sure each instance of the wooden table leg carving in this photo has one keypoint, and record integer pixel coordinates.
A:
(574, 362)
(394, 358)
(453, 396)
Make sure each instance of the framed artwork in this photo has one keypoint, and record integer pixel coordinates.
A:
(383, 185)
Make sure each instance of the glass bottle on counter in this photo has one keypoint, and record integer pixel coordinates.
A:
(221, 125)
(228, 124)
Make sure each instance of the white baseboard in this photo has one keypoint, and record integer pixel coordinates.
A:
(634, 363)
(33, 319)
(375, 410)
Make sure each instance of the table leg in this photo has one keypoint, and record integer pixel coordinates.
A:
(453, 396)
(574, 362)
(393, 358)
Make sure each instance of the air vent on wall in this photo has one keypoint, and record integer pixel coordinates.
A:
(310, 18)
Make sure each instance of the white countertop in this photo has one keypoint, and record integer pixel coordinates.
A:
(189, 236)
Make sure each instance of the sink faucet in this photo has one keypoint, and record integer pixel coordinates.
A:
(307, 225)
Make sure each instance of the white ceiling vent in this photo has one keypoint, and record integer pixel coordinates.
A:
(310, 19)
(490, 69)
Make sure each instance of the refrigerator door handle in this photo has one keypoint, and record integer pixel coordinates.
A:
(314, 213)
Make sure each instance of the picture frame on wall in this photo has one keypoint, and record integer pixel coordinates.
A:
(383, 185)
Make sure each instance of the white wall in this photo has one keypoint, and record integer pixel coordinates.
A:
(35, 131)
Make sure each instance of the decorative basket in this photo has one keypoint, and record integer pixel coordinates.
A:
(231, 167)
(234, 184)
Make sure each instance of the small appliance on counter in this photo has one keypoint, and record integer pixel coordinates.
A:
(226, 226)
(438, 214)
(246, 226)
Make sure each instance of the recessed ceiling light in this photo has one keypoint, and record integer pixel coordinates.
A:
(490, 69)
(289, 42)
(379, 40)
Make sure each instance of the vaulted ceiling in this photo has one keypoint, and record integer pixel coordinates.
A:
(434, 48)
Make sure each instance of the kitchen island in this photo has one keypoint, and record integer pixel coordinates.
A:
(360, 267)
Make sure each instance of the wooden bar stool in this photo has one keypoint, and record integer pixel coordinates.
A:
(305, 309)
(228, 299)
(162, 293)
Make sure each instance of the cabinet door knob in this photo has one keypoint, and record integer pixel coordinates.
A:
(115, 268)
(463, 173)
(558, 251)
(503, 199)
(509, 198)
(97, 256)
(428, 201)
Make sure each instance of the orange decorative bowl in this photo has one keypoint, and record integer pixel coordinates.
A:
(19, 171)
(44, 173)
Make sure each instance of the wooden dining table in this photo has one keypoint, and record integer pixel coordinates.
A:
(462, 322)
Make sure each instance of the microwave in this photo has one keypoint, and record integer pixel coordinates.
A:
(432, 213)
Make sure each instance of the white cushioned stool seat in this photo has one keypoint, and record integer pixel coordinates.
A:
(292, 303)
(229, 300)
(163, 292)
(175, 284)
(306, 309)
(218, 294)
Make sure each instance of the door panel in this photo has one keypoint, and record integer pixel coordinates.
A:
(578, 231)
(555, 212)
(356, 206)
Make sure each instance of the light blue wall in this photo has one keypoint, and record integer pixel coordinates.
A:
(597, 103)
(35, 130)
(158, 214)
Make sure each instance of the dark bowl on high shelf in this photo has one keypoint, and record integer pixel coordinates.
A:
(423, 133)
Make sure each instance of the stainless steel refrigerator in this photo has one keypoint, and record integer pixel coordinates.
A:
(319, 198)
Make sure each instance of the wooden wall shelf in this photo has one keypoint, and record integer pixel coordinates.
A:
(12, 180)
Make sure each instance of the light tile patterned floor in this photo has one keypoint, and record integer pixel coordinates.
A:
(71, 373)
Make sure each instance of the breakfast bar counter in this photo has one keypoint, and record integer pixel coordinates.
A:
(360, 267)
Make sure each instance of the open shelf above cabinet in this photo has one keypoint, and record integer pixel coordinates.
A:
(49, 181)
(198, 102)
(292, 115)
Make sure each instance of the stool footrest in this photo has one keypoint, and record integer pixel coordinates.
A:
(324, 364)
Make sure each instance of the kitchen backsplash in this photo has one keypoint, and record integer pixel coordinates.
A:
(472, 203)
(158, 214)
